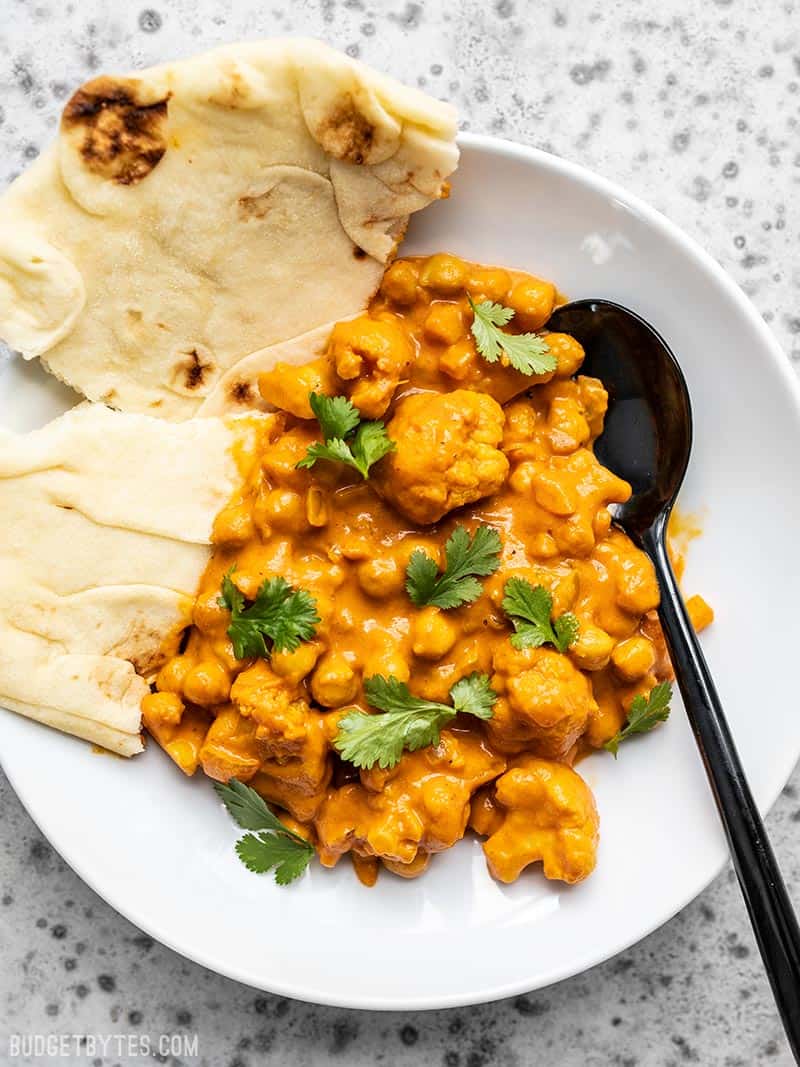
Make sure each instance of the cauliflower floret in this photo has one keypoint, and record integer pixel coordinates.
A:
(548, 814)
(299, 783)
(544, 701)
(417, 807)
(446, 454)
(370, 356)
(275, 708)
(287, 385)
(230, 749)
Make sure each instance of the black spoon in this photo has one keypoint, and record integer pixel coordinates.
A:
(647, 441)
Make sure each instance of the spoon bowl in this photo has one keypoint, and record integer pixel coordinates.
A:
(647, 440)
(647, 437)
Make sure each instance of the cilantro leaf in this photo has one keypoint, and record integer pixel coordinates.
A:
(408, 722)
(339, 420)
(336, 450)
(529, 353)
(465, 558)
(370, 444)
(246, 807)
(474, 695)
(275, 845)
(280, 612)
(262, 852)
(232, 597)
(529, 607)
(643, 715)
(422, 574)
(336, 415)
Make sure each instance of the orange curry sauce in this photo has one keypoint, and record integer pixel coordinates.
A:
(477, 444)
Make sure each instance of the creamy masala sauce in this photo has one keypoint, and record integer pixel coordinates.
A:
(477, 444)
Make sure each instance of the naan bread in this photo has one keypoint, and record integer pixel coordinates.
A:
(106, 526)
(193, 213)
(237, 390)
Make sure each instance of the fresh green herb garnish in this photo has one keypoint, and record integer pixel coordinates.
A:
(458, 583)
(644, 714)
(408, 722)
(280, 612)
(526, 352)
(339, 420)
(336, 415)
(274, 845)
(530, 608)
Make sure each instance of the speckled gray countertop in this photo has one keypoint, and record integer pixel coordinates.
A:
(694, 106)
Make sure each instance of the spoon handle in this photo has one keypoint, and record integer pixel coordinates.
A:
(771, 912)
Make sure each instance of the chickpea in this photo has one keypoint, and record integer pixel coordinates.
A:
(458, 360)
(170, 678)
(444, 323)
(400, 282)
(568, 352)
(160, 709)
(207, 615)
(294, 666)
(543, 546)
(380, 577)
(284, 509)
(532, 299)
(523, 477)
(434, 635)
(444, 274)
(593, 648)
(233, 526)
(701, 614)
(634, 658)
(206, 684)
(334, 682)
(388, 662)
(489, 283)
(637, 591)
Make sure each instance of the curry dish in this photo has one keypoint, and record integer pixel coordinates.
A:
(476, 444)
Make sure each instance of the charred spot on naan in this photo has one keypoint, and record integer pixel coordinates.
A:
(254, 207)
(347, 133)
(119, 134)
(193, 371)
(241, 392)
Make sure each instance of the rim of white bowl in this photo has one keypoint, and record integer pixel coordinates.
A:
(502, 147)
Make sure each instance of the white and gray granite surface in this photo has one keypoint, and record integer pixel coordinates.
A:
(694, 106)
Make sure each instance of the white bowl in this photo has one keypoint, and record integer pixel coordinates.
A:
(159, 847)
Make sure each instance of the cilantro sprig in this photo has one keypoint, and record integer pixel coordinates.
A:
(643, 715)
(408, 722)
(466, 558)
(279, 612)
(346, 438)
(526, 352)
(273, 845)
(530, 607)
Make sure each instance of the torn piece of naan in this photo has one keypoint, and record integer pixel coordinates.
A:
(193, 213)
(107, 521)
(238, 390)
